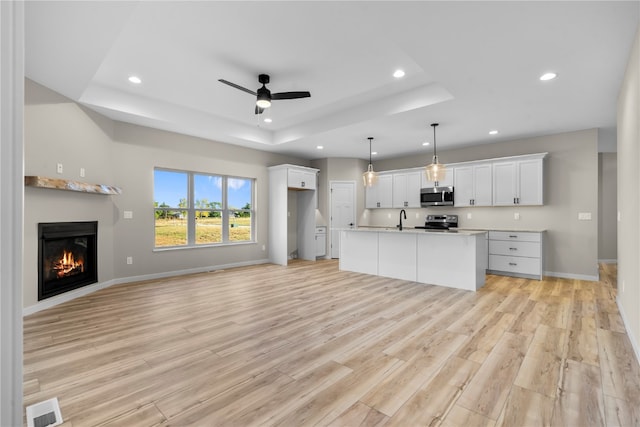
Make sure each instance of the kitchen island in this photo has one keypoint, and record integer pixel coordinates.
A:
(456, 259)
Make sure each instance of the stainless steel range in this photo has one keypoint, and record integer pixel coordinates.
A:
(440, 222)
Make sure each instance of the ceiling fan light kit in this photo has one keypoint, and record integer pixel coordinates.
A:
(370, 177)
(264, 95)
(436, 171)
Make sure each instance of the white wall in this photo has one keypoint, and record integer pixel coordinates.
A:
(57, 130)
(629, 196)
(11, 197)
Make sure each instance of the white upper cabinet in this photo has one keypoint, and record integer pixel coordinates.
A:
(381, 194)
(406, 189)
(446, 182)
(301, 178)
(472, 185)
(518, 182)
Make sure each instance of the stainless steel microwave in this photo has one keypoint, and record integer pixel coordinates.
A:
(436, 196)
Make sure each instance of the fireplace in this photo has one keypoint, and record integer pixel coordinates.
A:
(67, 256)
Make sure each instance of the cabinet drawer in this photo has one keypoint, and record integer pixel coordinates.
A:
(514, 264)
(513, 236)
(516, 248)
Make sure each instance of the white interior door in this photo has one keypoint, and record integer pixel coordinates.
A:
(343, 212)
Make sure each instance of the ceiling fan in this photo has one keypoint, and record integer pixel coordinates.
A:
(264, 95)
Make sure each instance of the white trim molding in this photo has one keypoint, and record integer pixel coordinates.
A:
(572, 276)
(11, 209)
(608, 261)
(634, 343)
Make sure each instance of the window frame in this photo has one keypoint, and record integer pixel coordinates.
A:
(191, 211)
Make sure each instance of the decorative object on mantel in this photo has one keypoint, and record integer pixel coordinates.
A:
(65, 184)
(435, 171)
(370, 177)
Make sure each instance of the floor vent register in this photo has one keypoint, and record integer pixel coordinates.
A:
(44, 414)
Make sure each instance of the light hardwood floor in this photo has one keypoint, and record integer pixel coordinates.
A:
(308, 344)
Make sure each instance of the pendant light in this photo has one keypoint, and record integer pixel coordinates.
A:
(370, 178)
(435, 171)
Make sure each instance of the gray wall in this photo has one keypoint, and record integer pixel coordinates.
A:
(339, 169)
(629, 196)
(571, 186)
(607, 207)
(57, 130)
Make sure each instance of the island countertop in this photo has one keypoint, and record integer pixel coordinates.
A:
(406, 230)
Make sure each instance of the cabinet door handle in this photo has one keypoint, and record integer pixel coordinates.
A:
(513, 263)
(302, 184)
(514, 200)
(513, 236)
(378, 204)
(518, 198)
(513, 249)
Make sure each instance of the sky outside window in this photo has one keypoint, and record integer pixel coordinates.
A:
(169, 187)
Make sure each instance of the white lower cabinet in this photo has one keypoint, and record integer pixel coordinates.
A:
(516, 253)
(321, 241)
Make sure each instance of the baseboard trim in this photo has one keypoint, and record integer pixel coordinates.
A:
(572, 276)
(187, 271)
(608, 261)
(634, 343)
(68, 296)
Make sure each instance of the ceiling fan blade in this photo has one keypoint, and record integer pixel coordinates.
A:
(259, 110)
(290, 95)
(244, 89)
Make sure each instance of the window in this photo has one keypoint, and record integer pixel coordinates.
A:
(193, 209)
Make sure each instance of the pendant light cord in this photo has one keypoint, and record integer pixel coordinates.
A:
(370, 139)
(435, 153)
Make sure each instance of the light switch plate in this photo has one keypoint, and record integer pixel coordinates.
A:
(469, 215)
(584, 216)
(128, 214)
(59, 168)
(516, 216)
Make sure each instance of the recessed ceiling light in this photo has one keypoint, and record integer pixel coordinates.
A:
(135, 80)
(548, 76)
(398, 74)
(425, 143)
(373, 153)
(493, 132)
(267, 120)
(319, 147)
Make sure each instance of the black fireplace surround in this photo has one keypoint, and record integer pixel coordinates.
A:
(67, 256)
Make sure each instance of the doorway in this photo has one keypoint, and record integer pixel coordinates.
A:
(342, 210)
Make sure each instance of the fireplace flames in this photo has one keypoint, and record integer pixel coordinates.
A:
(67, 265)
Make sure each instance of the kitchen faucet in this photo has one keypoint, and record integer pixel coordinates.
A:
(405, 217)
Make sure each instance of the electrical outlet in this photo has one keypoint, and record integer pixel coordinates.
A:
(623, 286)
(59, 168)
(584, 216)
(417, 215)
(469, 215)
(263, 247)
(128, 214)
(516, 216)
(619, 216)
(82, 172)
(389, 215)
(288, 213)
(129, 260)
